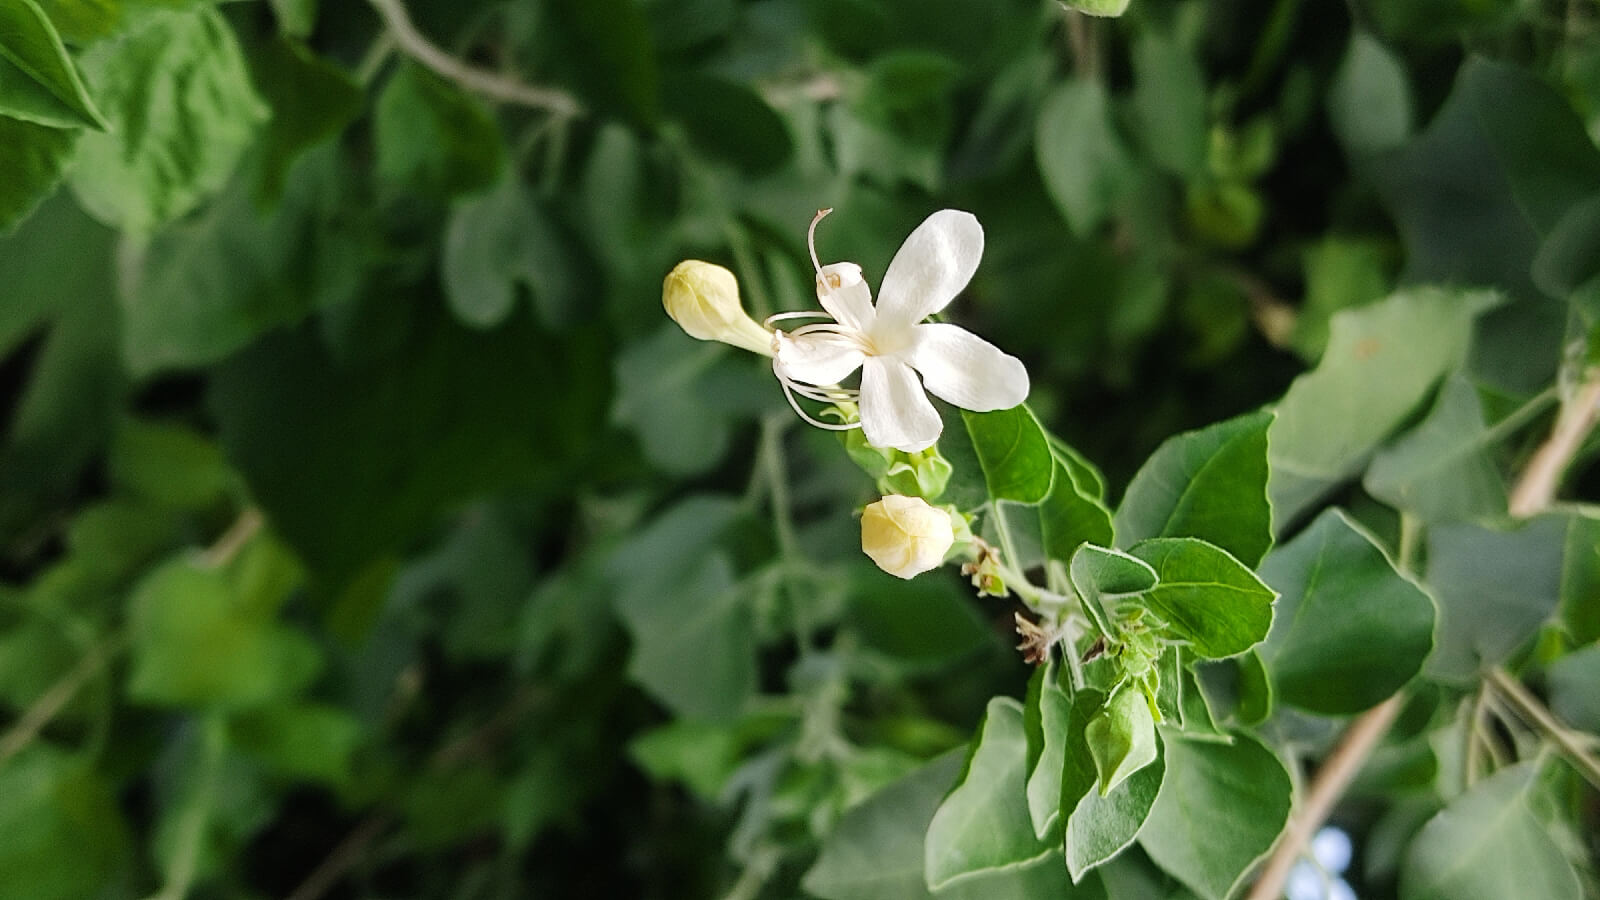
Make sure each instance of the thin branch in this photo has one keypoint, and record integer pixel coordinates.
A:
(1337, 771)
(227, 546)
(1528, 707)
(481, 81)
(344, 857)
(50, 704)
(1537, 487)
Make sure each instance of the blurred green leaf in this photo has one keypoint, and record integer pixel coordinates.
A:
(1381, 362)
(1349, 630)
(1085, 168)
(65, 837)
(1169, 103)
(311, 99)
(727, 121)
(700, 755)
(38, 82)
(302, 740)
(919, 624)
(609, 57)
(984, 824)
(1580, 577)
(296, 18)
(1210, 484)
(1442, 470)
(1487, 843)
(434, 138)
(1340, 273)
(168, 464)
(1220, 808)
(1572, 679)
(182, 110)
(205, 637)
(1100, 826)
(497, 242)
(1205, 596)
(1369, 101)
(34, 157)
(1014, 452)
(1494, 589)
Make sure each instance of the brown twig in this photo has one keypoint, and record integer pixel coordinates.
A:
(1337, 771)
(1537, 487)
(481, 81)
(1528, 708)
(50, 704)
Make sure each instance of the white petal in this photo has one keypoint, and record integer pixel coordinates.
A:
(894, 410)
(850, 303)
(966, 370)
(931, 268)
(819, 358)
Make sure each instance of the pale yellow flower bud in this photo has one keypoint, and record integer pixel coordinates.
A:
(906, 536)
(703, 298)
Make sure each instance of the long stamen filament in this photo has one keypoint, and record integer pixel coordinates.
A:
(811, 239)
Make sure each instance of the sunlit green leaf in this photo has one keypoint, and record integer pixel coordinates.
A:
(1014, 453)
(38, 82)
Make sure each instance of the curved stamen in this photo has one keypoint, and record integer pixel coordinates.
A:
(798, 314)
(789, 389)
(811, 239)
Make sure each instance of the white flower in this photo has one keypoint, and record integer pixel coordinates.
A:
(891, 345)
(906, 536)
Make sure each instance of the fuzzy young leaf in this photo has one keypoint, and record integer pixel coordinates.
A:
(984, 824)
(1121, 737)
(1209, 484)
(1098, 827)
(1205, 596)
(1349, 629)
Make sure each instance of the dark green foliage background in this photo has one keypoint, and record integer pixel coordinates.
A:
(367, 530)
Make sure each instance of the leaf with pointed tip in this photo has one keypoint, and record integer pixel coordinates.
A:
(1205, 596)
(1210, 484)
(1100, 827)
(1349, 630)
(1014, 452)
(38, 81)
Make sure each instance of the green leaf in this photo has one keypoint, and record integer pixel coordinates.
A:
(1220, 808)
(1494, 590)
(1086, 170)
(1169, 103)
(917, 625)
(1014, 452)
(169, 465)
(1206, 597)
(207, 286)
(1369, 101)
(1047, 722)
(34, 158)
(296, 18)
(1121, 737)
(678, 396)
(1072, 513)
(65, 837)
(607, 52)
(1580, 577)
(182, 111)
(675, 593)
(304, 740)
(206, 637)
(434, 138)
(1349, 629)
(38, 82)
(1340, 272)
(1488, 844)
(1570, 254)
(312, 100)
(1100, 826)
(1382, 361)
(1572, 680)
(1209, 484)
(700, 755)
(727, 121)
(498, 241)
(984, 823)
(478, 409)
(1442, 470)
(82, 22)
(1102, 577)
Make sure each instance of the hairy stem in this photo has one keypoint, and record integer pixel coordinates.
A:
(480, 81)
(1337, 771)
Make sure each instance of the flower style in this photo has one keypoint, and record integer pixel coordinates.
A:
(906, 536)
(890, 343)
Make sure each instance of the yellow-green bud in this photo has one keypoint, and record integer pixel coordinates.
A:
(703, 298)
(906, 536)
